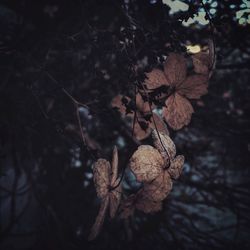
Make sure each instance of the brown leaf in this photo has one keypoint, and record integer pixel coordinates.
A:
(155, 79)
(159, 188)
(178, 111)
(164, 145)
(99, 220)
(175, 69)
(176, 167)
(146, 163)
(102, 170)
(193, 87)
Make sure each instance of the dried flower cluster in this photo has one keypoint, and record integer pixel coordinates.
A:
(155, 167)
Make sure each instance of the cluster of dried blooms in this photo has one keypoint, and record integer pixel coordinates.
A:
(155, 167)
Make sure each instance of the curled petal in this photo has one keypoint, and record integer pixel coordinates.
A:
(177, 112)
(194, 86)
(164, 144)
(102, 171)
(99, 220)
(114, 166)
(176, 167)
(115, 198)
(155, 79)
(146, 163)
(156, 122)
(175, 69)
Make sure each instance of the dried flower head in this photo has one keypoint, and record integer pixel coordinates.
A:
(108, 188)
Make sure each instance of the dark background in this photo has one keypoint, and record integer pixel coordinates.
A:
(50, 49)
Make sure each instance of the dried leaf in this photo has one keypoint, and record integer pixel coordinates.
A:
(175, 69)
(178, 111)
(102, 170)
(159, 188)
(146, 163)
(164, 144)
(99, 220)
(155, 79)
(193, 87)
(176, 167)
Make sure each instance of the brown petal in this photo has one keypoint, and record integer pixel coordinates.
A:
(201, 62)
(114, 166)
(159, 188)
(115, 198)
(99, 219)
(194, 86)
(117, 103)
(146, 163)
(164, 144)
(140, 132)
(156, 122)
(102, 170)
(176, 167)
(143, 106)
(175, 69)
(155, 79)
(177, 112)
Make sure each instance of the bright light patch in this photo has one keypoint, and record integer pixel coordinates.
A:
(176, 6)
(200, 19)
(193, 48)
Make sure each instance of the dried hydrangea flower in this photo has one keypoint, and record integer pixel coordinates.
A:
(108, 189)
(177, 110)
(146, 163)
